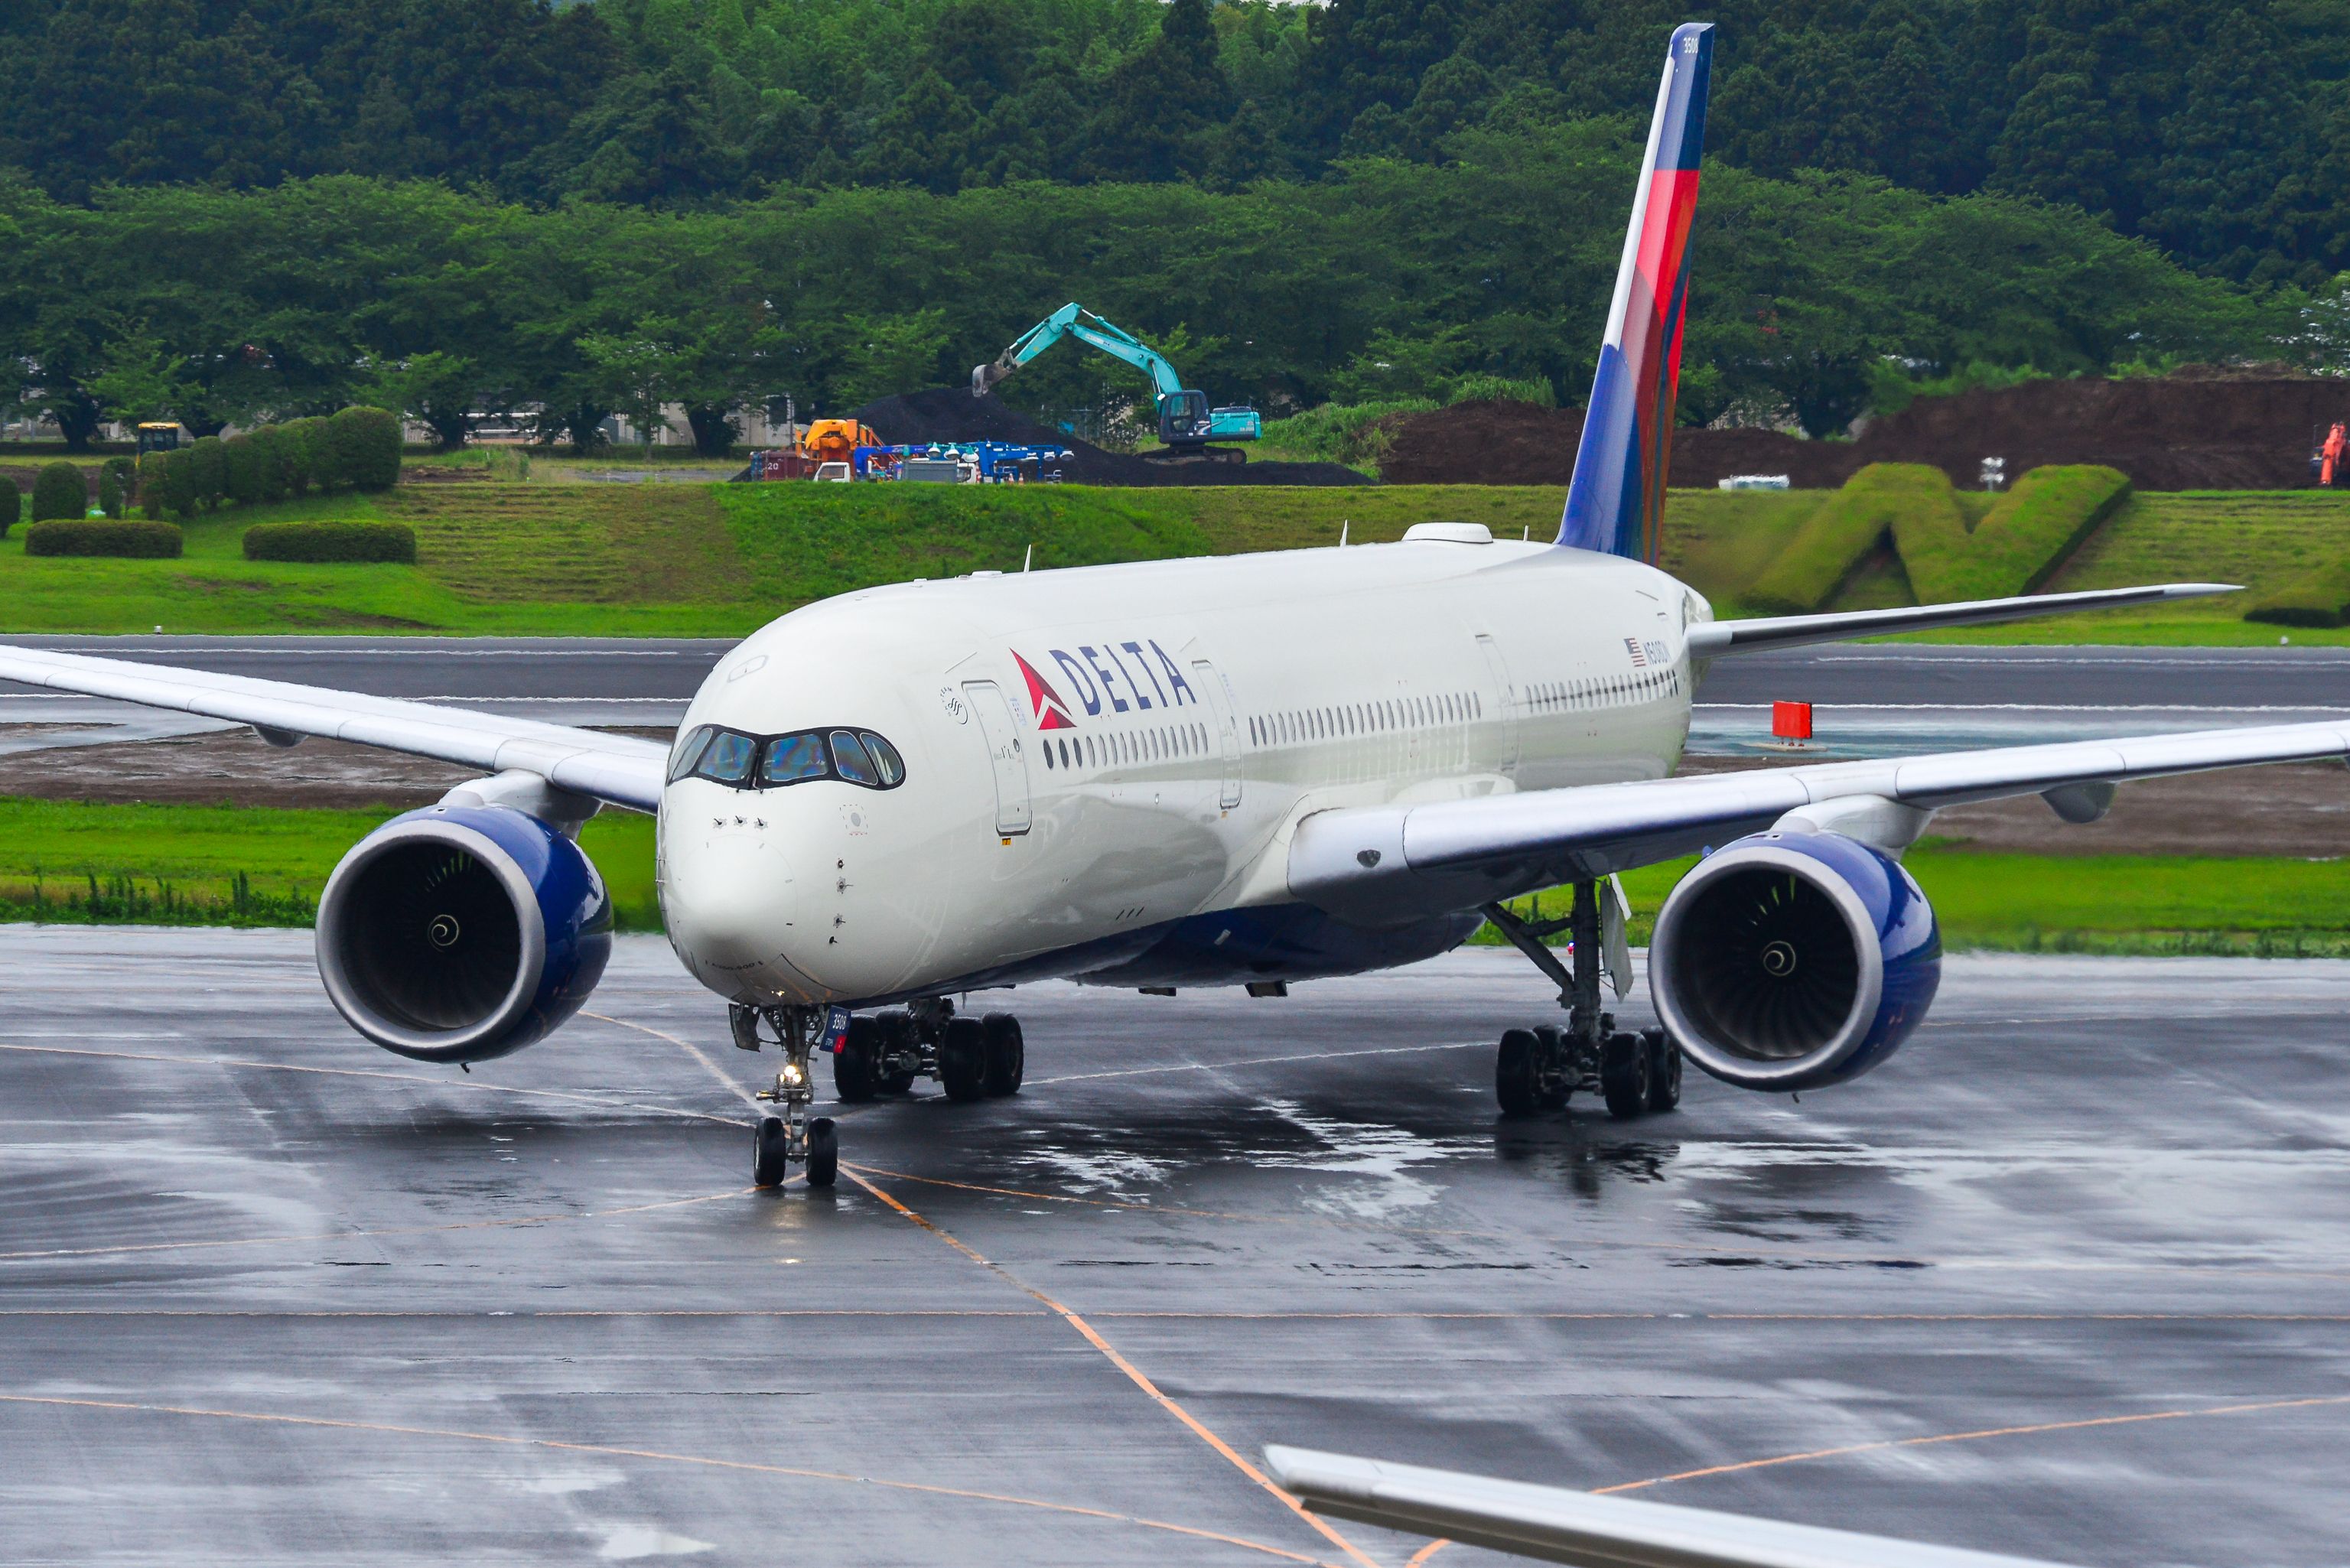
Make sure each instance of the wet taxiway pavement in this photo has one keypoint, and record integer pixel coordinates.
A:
(2066, 1278)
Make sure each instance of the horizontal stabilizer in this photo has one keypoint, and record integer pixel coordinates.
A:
(1557, 1525)
(1713, 637)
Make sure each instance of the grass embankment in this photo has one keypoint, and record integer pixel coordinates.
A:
(241, 866)
(720, 560)
(264, 867)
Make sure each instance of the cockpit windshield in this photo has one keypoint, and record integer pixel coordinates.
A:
(771, 762)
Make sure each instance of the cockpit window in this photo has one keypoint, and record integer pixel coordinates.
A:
(770, 762)
(727, 759)
(848, 756)
(792, 760)
(688, 752)
(887, 762)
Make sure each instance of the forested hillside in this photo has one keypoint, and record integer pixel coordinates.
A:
(226, 208)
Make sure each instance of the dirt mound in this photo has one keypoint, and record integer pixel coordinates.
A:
(2173, 433)
(951, 413)
(1521, 444)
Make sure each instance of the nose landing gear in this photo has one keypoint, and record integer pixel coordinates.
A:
(794, 1138)
(1540, 1069)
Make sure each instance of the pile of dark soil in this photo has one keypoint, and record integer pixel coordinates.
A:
(951, 413)
(2172, 433)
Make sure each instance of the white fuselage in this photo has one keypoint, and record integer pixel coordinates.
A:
(1103, 763)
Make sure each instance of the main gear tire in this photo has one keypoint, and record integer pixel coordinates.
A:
(853, 1077)
(1624, 1075)
(962, 1059)
(1664, 1070)
(1007, 1053)
(1517, 1073)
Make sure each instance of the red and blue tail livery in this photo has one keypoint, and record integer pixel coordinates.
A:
(1615, 500)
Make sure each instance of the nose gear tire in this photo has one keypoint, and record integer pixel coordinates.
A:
(770, 1152)
(823, 1152)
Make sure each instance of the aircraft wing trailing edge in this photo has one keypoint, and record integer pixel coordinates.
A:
(1557, 1525)
(622, 769)
(1394, 862)
(1711, 639)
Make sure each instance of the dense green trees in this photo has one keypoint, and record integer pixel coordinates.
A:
(2219, 131)
(1391, 279)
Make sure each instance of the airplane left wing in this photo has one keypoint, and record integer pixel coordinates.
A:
(1557, 1525)
(622, 769)
(1709, 639)
(1394, 863)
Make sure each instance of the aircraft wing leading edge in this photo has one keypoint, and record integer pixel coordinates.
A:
(1402, 861)
(1557, 1525)
(1709, 638)
(622, 769)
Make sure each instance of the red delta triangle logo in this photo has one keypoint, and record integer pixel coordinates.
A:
(1050, 712)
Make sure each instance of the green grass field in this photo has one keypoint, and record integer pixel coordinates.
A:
(260, 866)
(680, 559)
(217, 865)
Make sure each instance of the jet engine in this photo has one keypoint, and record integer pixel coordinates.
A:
(1794, 960)
(458, 933)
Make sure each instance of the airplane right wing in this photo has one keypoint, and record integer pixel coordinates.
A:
(1557, 1525)
(1709, 639)
(1387, 864)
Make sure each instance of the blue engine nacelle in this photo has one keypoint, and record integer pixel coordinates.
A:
(457, 933)
(1789, 960)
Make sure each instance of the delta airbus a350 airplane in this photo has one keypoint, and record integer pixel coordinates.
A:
(1249, 771)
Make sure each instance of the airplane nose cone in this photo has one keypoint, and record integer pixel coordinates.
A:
(727, 900)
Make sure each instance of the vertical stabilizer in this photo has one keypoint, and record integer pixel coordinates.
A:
(1615, 500)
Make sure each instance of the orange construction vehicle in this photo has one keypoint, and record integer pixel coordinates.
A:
(2330, 455)
(835, 440)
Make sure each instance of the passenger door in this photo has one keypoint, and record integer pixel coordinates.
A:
(1005, 753)
(1204, 676)
(1507, 713)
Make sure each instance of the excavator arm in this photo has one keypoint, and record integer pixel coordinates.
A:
(1074, 320)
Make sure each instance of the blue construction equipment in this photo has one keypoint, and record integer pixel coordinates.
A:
(1186, 423)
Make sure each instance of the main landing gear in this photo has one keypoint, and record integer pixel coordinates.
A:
(881, 1054)
(1540, 1069)
(971, 1058)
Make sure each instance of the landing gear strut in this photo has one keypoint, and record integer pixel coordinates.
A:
(1540, 1069)
(793, 1138)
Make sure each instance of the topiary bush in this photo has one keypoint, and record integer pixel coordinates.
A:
(117, 486)
(100, 536)
(2318, 597)
(1834, 539)
(167, 483)
(60, 492)
(346, 540)
(12, 506)
(208, 471)
(358, 449)
(241, 470)
(297, 443)
(268, 445)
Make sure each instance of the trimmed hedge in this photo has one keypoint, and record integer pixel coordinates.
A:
(2319, 598)
(118, 482)
(351, 539)
(358, 449)
(12, 506)
(101, 536)
(60, 492)
(1834, 540)
(2028, 535)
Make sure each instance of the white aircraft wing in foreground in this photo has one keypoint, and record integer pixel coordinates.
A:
(1557, 1525)
(621, 770)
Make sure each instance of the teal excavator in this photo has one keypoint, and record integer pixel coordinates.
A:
(1186, 423)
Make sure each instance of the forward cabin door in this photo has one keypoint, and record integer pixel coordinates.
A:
(1506, 710)
(1004, 752)
(1220, 697)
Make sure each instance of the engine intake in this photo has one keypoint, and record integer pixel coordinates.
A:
(1794, 960)
(458, 933)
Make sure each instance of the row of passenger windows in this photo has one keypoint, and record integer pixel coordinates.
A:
(1129, 747)
(1382, 717)
(770, 762)
(1603, 692)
